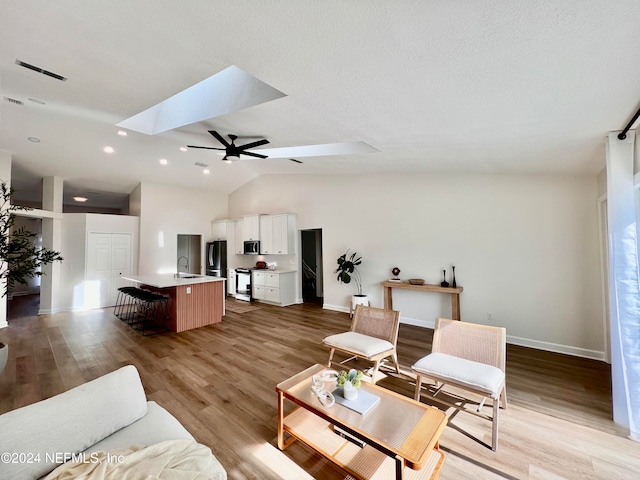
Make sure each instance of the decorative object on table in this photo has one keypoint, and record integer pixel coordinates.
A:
(4, 354)
(350, 383)
(347, 270)
(19, 248)
(325, 397)
(395, 271)
(453, 282)
(444, 282)
(416, 281)
(365, 402)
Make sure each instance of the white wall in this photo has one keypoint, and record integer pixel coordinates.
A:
(165, 212)
(525, 247)
(75, 230)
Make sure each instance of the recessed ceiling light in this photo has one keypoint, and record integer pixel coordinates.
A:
(108, 150)
(122, 133)
(183, 149)
(206, 171)
(35, 100)
(163, 161)
(80, 199)
(33, 139)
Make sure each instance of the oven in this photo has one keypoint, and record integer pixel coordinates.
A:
(243, 284)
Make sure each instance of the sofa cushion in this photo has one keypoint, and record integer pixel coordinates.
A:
(358, 343)
(156, 426)
(70, 422)
(459, 371)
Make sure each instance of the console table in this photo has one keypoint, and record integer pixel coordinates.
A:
(454, 292)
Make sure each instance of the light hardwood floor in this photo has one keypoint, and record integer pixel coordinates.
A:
(219, 381)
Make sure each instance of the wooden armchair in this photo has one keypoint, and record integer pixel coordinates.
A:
(373, 336)
(469, 357)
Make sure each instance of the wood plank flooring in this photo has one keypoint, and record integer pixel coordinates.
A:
(219, 381)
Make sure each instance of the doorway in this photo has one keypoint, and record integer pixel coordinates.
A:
(189, 254)
(24, 300)
(311, 258)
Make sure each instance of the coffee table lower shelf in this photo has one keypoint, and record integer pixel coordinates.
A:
(365, 463)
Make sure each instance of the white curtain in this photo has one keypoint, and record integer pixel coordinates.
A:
(624, 286)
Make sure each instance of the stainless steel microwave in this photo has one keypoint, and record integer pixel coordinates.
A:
(252, 247)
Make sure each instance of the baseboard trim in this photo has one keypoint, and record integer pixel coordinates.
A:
(335, 308)
(3, 324)
(418, 323)
(556, 348)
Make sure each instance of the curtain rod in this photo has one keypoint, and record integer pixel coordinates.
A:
(623, 134)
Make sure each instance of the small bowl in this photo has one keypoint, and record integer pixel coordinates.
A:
(416, 281)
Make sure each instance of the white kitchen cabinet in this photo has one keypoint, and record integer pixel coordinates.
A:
(250, 227)
(278, 288)
(277, 234)
(238, 244)
(223, 230)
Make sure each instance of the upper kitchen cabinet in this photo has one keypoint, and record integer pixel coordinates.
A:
(277, 234)
(251, 227)
(238, 245)
(223, 230)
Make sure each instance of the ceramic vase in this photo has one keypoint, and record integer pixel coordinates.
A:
(350, 392)
(453, 282)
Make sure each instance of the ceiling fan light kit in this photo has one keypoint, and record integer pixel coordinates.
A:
(233, 151)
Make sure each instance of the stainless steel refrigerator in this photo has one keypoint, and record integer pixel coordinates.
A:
(216, 258)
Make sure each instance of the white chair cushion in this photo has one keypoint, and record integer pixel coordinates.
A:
(358, 343)
(462, 372)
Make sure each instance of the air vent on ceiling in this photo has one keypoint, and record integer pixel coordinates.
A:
(294, 160)
(200, 164)
(13, 100)
(40, 70)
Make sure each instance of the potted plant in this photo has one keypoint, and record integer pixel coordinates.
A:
(350, 383)
(19, 252)
(347, 270)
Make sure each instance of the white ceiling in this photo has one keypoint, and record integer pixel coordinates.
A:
(484, 86)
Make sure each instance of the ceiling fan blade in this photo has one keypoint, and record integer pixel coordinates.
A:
(251, 154)
(206, 148)
(219, 138)
(323, 150)
(254, 144)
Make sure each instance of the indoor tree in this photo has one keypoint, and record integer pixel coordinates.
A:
(19, 253)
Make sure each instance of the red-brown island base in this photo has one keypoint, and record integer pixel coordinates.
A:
(204, 305)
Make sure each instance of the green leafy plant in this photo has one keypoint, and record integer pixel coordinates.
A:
(347, 269)
(354, 376)
(18, 249)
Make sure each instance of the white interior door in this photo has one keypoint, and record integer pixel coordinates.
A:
(120, 263)
(98, 274)
(108, 259)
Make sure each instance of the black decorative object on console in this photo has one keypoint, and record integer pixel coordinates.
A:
(453, 282)
(444, 282)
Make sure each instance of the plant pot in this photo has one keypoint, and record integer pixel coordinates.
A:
(4, 354)
(350, 392)
(359, 300)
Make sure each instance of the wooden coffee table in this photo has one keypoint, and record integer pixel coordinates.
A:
(401, 435)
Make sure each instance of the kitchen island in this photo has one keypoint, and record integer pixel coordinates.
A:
(194, 300)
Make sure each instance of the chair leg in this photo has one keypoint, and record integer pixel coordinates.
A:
(395, 360)
(503, 397)
(331, 352)
(416, 396)
(376, 366)
(494, 429)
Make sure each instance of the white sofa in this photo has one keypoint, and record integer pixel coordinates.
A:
(107, 413)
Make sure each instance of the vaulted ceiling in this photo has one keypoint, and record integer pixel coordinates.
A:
(490, 86)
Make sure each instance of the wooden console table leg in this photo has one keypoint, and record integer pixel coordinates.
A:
(388, 301)
(455, 306)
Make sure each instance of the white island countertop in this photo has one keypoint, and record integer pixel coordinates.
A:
(168, 280)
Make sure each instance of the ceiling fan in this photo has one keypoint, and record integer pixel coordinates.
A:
(233, 151)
